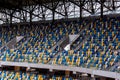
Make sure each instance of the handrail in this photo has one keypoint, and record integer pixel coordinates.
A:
(75, 39)
(82, 43)
(58, 43)
(6, 44)
(24, 43)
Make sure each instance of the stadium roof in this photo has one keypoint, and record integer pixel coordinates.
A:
(35, 10)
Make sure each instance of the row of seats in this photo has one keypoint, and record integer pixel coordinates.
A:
(7, 33)
(32, 56)
(88, 60)
(96, 29)
(96, 51)
(38, 48)
(10, 75)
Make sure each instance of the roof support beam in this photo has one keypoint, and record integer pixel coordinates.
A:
(66, 13)
(102, 3)
(29, 13)
(79, 6)
(92, 7)
(1, 11)
(48, 7)
(80, 9)
(113, 4)
(43, 12)
(51, 10)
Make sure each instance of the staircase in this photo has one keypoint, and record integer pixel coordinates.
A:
(5, 46)
(11, 44)
(26, 40)
(86, 36)
(79, 45)
(59, 43)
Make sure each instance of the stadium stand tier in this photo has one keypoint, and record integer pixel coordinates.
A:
(96, 47)
(59, 39)
(96, 52)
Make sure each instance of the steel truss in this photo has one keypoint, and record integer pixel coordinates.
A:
(34, 10)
